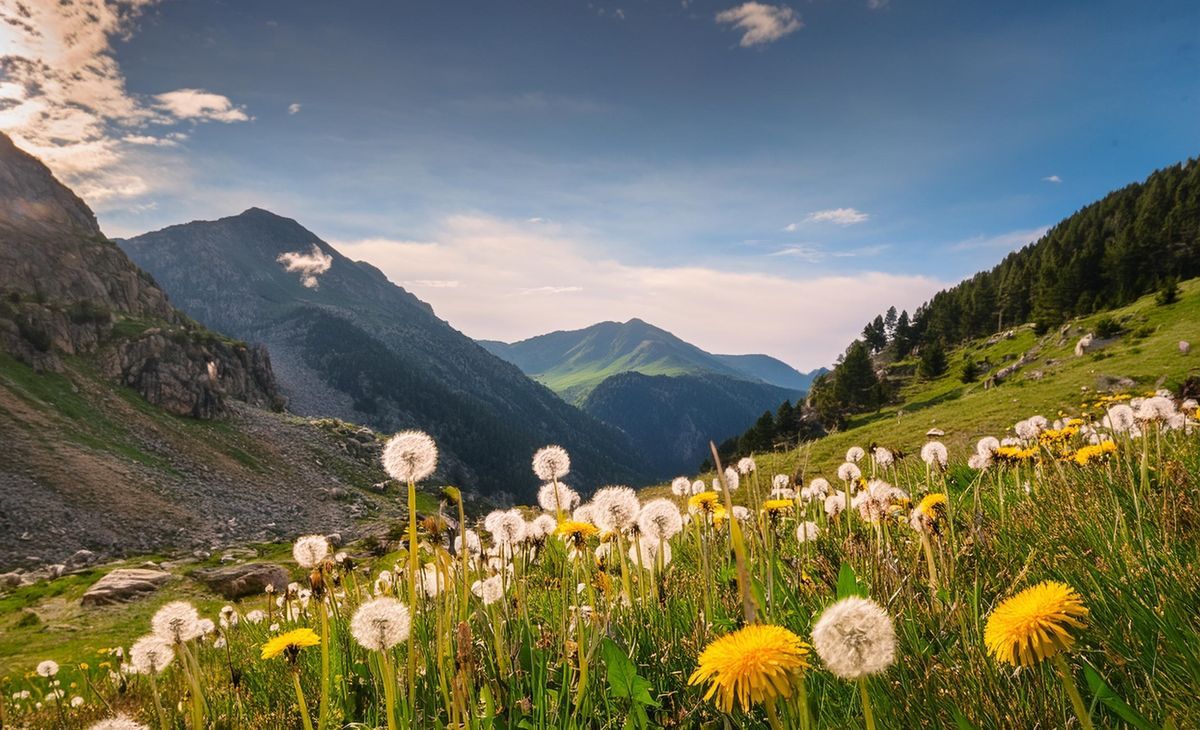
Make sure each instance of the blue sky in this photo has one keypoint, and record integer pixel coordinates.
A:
(511, 162)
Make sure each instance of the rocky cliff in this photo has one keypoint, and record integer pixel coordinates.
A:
(65, 289)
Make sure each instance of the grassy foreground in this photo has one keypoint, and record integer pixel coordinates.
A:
(557, 623)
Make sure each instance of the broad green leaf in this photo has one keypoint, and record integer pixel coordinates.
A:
(848, 585)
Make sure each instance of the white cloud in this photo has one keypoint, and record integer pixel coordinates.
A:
(1052, 178)
(293, 108)
(760, 22)
(811, 253)
(201, 106)
(1009, 241)
(309, 265)
(63, 98)
(877, 4)
(840, 216)
(433, 283)
(518, 281)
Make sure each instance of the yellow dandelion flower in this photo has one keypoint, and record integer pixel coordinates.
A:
(757, 663)
(570, 529)
(776, 507)
(704, 502)
(291, 642)
(933, 505)
(1034, 624)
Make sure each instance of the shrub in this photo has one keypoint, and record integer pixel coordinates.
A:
(1107, 328)
(1169, 293)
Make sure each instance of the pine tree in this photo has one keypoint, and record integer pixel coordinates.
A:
(933, 360)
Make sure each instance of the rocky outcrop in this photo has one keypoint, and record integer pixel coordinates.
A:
(123, 585)
(238, 581)
(64, 288)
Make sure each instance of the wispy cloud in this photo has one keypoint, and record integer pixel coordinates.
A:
(1052, 179)
(518, 281)
(64, 97)
(293, 108)
(309, 265)
(761, 23)
(814, 254)
(840, 216)
(1009, 241)
(433, 283)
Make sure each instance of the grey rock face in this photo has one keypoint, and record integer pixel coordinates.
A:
(124, 585)
(237, 581)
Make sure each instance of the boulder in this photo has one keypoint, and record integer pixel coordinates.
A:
(1184, 347)
(249, 579)
(123, 585)
(81, 559)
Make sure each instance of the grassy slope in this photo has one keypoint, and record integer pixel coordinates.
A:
(1147, 351)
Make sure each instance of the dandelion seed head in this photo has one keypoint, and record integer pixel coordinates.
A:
(660, 519)
(849, 472)
(509, 528)
(648, 556)
(987, 446)
(47, 668)
(855, 454)
(855, 638)
(616, 508)
(698, 486)
(1120, 418)
(410, 456)
(556, 497)
(119, 721)
(681, 486)
(380, 623)
(733, 480)
(551, 463)
(979, 461)
(745, 465)
(585, 513)
(177, 622)
(310, 551)
(807, 531)
(835, 503)
(934, 453)
(490, 590)
(150, 654)
(883, 457)
(473, 546)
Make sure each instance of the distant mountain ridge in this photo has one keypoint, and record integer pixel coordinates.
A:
(573, 362)
(347, 342)
(668, 395)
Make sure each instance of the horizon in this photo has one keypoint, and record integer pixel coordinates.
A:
(549, 166)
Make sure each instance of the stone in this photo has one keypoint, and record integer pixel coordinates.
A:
(1084, 344)
(238, 554)
(249, 579)
(1184, 347)
(123, 585)
(10, 580)
(81, 559)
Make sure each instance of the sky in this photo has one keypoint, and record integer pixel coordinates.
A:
(755, 177)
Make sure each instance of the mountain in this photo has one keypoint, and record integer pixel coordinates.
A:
(771, 370)
(572, 363)
(127, 427)
(668, 395)
(675, 416)
(348, 343)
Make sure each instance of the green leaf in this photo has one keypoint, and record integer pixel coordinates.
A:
(623, 679)
(960, 720)
(848, 585)
(452, 494)
(1105, 694)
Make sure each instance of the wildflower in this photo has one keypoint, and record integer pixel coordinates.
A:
(848, 472)
(473, 545)
(431, 581)
(807, 532)
(660, 519)
(698, 486)
(835, 503)
(979, 461)
(177, 622)
(150, 654)
(410, 456)
(648, 555)
(783, 493)
(380, 624)
(883, 457)
(926, 515)
(819, 486)
(47, 668)
(681, 486)
(585, 513)
(987, 446)
(310, 550)
(551, 463)
(704, 502)
(117, 722)
(290, 643)
(508, 528)
(778, 507)
(732, 479)
(616, 508)
(490, 590)
(575, 532)
(1034, 624)
(255, 617)
(746, 465)
(758, 663)
(855, 454)
(934, 453)
(1155, 408)
(541, 526)
(740, 513)
(556, 498)
(1093, 452)
(76, 701)
(855, 638)
(1119, 418)
(780, 481)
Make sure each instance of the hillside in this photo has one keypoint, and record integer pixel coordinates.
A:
(125, 425)
(771, 370)
(1144, 356)
(348, 343)
(674, 417)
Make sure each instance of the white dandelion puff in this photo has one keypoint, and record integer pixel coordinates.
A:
(934, 453)
(551, 463)
(117, 722)
(781, 481)
(835, 503)
(741, 514)
(855, 638)
(854, 454)
(474, 545)
(410, 456)
(47, 668)
(698, 486)
(660, 519)
(883, 457)
(616, 508)
(1119, 419)
(556, 497)
(745, 465)
(310, 550)
(732, 479)
(381, 623)
(177, 622)
(540, 527)
(987, 446)
(849, 472)
(490, 590)
(150, 654)
(807, 532)
(648, 555)
(979, 461)
(681, 486)
(509, 528)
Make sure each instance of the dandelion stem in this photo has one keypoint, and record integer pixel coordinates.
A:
(158, 708)
(1068, 681)
(323, 708)
(868, 715)
(300, 699)
(412, 591)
